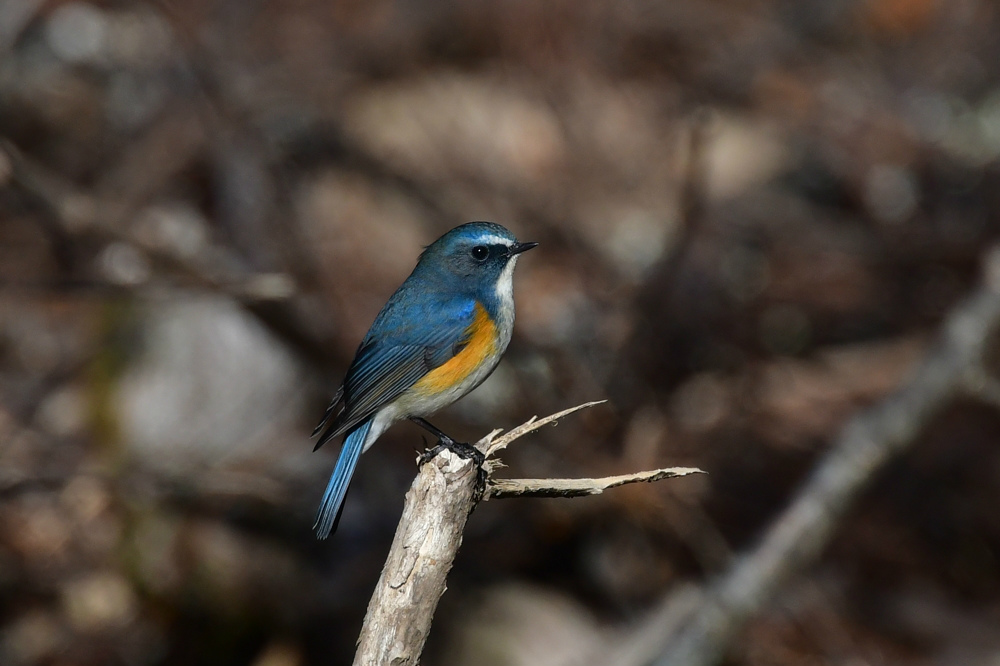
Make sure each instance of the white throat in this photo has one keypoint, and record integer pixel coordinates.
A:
(505, 295)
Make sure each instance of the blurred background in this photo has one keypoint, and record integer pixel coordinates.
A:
(753, 215)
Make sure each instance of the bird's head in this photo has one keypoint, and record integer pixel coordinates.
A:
(476, 257)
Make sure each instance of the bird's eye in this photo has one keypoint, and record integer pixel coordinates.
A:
(480, 252)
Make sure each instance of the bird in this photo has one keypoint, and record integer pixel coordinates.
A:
(439, 336)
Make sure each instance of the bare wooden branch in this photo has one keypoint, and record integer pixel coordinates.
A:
(413, 579)
(491, 444)
(865, 445)
(501, 488)
(430, 533)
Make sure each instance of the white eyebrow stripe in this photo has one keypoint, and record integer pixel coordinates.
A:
(490, 239)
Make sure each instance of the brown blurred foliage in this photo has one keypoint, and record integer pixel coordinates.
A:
(752, 216)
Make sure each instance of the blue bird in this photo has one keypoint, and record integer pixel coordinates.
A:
(440, 336)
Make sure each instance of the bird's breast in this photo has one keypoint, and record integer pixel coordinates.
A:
(466, 369)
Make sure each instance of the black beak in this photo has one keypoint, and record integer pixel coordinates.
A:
(518, 248)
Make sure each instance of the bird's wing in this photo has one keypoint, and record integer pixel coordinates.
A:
(404, 344)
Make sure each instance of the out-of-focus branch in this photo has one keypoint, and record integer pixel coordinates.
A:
(104, 216)
(430, 531)
(864, 446)
(979, 384)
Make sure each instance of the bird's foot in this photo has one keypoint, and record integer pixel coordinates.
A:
(461, 449)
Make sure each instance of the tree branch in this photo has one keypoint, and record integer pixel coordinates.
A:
(502, 488)
(436, 508)
(430, 531)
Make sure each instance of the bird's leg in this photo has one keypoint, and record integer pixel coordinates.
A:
(461, 449)
(432, 429)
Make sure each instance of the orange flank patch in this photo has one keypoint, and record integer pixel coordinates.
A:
(481, 345)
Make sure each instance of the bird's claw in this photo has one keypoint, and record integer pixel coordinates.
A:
(460, 449)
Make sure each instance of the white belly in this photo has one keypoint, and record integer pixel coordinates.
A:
(414, 403)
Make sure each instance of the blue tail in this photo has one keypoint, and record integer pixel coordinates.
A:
(336, 490)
